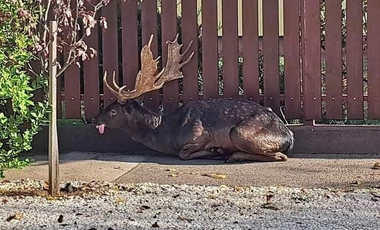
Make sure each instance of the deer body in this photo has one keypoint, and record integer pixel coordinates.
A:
(205, 129)
(235, 129)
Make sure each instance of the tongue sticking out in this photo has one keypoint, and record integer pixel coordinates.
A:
(101, 128)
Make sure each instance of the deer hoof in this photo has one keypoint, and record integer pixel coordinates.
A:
(281, 157)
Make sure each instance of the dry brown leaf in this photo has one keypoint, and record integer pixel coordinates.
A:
(185, 219)
(215, 175)
(269, 206)
(119, 200)
(171, 170)
(212, 196)
(239, 189)
(269, 198)
(376, 165)
(155, 225)
(223, 187)
(60, 218)
(16, 216)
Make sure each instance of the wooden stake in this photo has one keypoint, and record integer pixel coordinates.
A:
(53, 136)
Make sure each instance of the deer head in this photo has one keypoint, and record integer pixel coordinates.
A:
(125, 111)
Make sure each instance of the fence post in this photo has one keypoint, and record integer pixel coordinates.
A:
(53, 136)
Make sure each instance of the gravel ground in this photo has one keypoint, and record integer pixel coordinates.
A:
(102, 205)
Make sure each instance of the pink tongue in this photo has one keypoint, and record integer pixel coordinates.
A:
(101, 128)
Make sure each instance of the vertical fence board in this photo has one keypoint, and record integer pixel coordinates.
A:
(110, 48)
(292, 59)
(149, 27)
(250, 50)
(209, 49)
(169, 30)
(311, 43)
(271, 52)
(333, 60)
(129, 43)
(91, 77)
(72, 84)
(190, 33)
(373, 59)
(354, 59)
(230, 48)
(72, 90)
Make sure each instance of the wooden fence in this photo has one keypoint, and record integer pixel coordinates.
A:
(318, 69)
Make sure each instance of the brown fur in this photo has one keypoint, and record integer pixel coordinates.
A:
(239, 130)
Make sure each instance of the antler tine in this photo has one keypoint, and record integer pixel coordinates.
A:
(108, 86)
(174, 64)
(187, 60)
(188, 48)
(184, 53)
(114, 81)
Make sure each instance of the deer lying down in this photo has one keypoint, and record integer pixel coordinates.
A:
(238, 130)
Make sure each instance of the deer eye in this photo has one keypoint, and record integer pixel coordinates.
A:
(112, 112)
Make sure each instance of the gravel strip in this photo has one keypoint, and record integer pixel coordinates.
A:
(101, 205)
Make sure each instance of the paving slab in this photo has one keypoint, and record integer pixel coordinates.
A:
(307, 171)
(80, 166)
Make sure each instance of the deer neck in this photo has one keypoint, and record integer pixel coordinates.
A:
(152, 130)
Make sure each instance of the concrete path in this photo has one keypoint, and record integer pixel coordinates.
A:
(308, 171)
(78, 166)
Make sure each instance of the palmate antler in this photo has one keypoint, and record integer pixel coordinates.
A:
(147, 80)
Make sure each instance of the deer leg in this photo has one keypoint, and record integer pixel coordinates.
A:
(242, 156)
(257, 142)
(202, 154)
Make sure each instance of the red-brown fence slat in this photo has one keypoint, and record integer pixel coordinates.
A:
(91, 76)
(169, 31)
(230, 48)
(190, 33)
(354, 59)
(250, 50)
(292, 73)
(271, 55)
(72, 89)
(311, 44)
(149, 27)
(334, 60)
(373, 59)
(130, 43)
(110, 49)
(209, 49)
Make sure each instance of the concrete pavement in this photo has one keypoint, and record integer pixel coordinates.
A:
(309, 171)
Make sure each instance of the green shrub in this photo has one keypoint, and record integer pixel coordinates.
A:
(20, 115)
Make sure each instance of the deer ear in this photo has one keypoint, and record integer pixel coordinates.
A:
(139, 100)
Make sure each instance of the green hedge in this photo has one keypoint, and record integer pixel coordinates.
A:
(20, 115)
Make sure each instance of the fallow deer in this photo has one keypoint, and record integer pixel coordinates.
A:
(234, 129)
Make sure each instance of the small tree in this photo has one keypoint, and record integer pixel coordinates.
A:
(24, 39)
